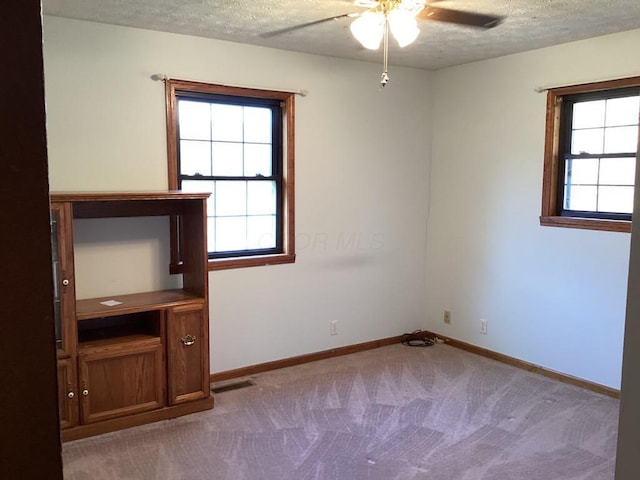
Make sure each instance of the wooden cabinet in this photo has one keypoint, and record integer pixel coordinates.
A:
(67, 393)
(64, 281)
(135, 358)
(121, 378)
(187, 346)
(64, 311)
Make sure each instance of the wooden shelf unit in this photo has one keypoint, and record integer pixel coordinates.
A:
(134, 302)
(146, 357)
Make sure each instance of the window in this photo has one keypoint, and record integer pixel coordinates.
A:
(238, 144)
(590, 155)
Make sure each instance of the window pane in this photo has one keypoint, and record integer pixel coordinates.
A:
(261, 232)
(622, 111)
(261, 198)
(621, 139)
(615, 199)
(227, 159)
(198, 186)
(257, 160)
(195, 157)
(582, 171)
(587, 141)
(588, 114)
(233, 147)
(231, 234)
(194, 120)
(231, 198)
(580, 198)
(617, 171)
(227, 122)
(257, 124)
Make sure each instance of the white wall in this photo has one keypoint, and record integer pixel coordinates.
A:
(361, 196)
(552, 296)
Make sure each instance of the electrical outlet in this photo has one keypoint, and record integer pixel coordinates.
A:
(333, 327)
(483, 326)
(447, 316)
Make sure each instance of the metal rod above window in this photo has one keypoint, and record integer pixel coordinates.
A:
(161, 77)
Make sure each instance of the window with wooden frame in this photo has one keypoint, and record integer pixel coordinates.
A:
(238, 144)
(591, 146)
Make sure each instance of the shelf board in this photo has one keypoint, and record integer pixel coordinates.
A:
(78, 197)
(133, 303)
(123, 341)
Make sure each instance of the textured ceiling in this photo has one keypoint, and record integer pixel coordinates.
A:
(528, 24)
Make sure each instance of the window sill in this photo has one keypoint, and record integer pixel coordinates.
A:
(242, 262)
(586, 223)
(257, 261)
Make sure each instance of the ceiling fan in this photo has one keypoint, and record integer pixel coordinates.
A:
(372, 26)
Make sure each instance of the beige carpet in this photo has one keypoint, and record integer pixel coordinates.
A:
(434, 413)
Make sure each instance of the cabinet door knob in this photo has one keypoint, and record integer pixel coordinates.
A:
(188, 340)
(70, 395)
(65, 282)
(85, 392)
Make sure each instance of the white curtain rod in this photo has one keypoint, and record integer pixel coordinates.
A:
(157, 77)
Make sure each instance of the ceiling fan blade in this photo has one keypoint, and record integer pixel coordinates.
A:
(461, 18)
(304, 25)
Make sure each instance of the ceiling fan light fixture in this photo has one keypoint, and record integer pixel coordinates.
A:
(368, 29)
(404, 27)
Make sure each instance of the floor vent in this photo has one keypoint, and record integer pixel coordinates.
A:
(233, 386)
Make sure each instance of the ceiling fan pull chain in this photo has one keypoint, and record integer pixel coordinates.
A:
(384, 79)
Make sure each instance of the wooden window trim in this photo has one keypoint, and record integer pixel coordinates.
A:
(550, 215)
(288, 170)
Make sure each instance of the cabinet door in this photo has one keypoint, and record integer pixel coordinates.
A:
(188, 354)
(63, 278)
(67, 393)
(121, 380)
